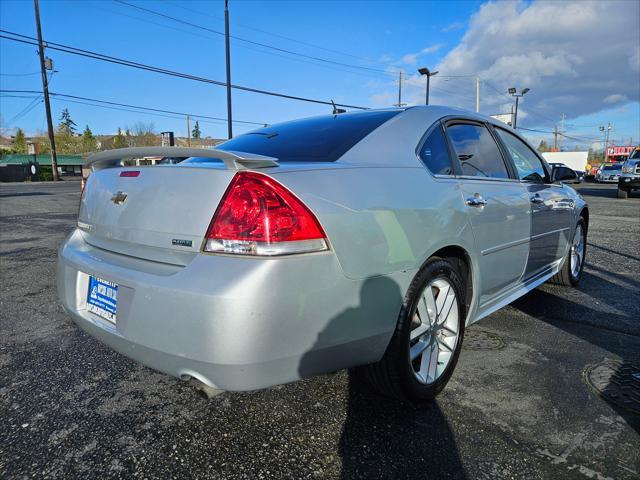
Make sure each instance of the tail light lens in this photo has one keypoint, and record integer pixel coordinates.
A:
(259, 216)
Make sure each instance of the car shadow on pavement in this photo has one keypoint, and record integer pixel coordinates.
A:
(383, 437)
(571, 317)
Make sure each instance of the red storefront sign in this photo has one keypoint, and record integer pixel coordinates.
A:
(615, 151)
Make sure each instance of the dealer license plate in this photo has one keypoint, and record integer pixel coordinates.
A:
(102, 298)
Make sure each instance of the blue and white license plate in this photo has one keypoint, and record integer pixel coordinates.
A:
(102, 298)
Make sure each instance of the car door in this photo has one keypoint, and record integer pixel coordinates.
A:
(551, 206)
(497, 205)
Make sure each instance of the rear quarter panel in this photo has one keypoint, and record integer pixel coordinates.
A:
(384, 221)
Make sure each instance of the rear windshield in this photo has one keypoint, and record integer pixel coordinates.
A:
(316, 139)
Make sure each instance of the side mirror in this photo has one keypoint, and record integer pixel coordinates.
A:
(563, 174)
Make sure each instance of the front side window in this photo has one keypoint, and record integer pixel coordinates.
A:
(435, 154)
(527, 163)
(477, 151)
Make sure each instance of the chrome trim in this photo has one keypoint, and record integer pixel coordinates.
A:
(504, 246)
(264, 249)
(540, 235)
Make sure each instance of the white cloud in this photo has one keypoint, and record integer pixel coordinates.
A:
(576, 57)
(452, 26)
(615, 98)
(556, 49)
(412, 58)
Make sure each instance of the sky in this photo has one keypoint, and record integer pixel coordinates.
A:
(580, 60)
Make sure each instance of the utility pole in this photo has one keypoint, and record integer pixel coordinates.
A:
(562, 117)
(477, 94)
(188, 131)
(606, 142)
(226, 41)
(45, 92)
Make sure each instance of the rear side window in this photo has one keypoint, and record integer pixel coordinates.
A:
(435, 154)
(527, 163)
(316, 139)
(477, 151)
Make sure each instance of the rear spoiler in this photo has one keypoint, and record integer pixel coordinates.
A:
(232, 160)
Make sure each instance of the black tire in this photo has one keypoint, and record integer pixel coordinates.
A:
(622, 193)
(565, 276)
(393, 375)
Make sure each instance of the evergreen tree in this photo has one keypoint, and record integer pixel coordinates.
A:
(543, 147)
(66, 126)
(89, 143)
(196, 133)
(119, 141)
(19, 143)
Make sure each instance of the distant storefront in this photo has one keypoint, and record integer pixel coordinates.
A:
(67, 164)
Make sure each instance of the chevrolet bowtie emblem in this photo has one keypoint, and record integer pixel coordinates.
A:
(119, 198)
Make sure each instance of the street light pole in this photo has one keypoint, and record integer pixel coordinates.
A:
(512, 92)
(45, 92)
(429, 74)
(226, 41)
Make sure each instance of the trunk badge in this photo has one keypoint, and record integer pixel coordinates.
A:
(119, 198)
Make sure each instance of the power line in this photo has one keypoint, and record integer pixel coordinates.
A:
(19, 74)
(129, 63)
(283, 50)
(128, 105)
(200, 12)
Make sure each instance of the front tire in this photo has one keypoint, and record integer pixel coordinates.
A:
(426, 344)
(622, 193)
(571, 269)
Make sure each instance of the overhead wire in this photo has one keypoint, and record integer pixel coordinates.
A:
(99, 56)
(128, 105)
(252, 42)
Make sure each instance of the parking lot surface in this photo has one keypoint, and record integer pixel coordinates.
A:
(519, 404)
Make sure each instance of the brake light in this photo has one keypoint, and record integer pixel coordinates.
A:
(259, 216)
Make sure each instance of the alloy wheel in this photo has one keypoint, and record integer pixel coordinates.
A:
(577, 251)
(434, 331)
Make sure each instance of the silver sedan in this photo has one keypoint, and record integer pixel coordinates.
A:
(362, 239)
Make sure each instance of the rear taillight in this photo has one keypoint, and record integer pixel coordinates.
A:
(259, 216)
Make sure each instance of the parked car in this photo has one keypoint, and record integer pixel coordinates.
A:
(609, 173)
(366, 239)
(579, 174)
(630, 177)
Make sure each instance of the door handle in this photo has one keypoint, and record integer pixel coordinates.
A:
(476, 201)
(536, 199)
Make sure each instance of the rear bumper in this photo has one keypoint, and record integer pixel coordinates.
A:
(233, 323)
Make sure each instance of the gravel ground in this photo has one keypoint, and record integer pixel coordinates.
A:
(516, 407)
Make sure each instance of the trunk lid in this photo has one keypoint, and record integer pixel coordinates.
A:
(160, 214)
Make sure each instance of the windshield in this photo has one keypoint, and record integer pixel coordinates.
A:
(316, 139)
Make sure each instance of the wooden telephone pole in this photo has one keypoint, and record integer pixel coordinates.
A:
(45, 92)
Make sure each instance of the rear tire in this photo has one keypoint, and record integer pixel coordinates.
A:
(570, 272)
(622, 193)
(431, 323)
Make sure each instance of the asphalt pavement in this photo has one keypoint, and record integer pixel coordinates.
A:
(519, 404)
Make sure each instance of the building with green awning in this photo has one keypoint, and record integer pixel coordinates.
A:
(67, 164)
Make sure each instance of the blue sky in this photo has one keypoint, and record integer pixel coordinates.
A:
(543, 46)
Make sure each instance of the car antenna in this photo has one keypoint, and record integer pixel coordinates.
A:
(337, 110)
